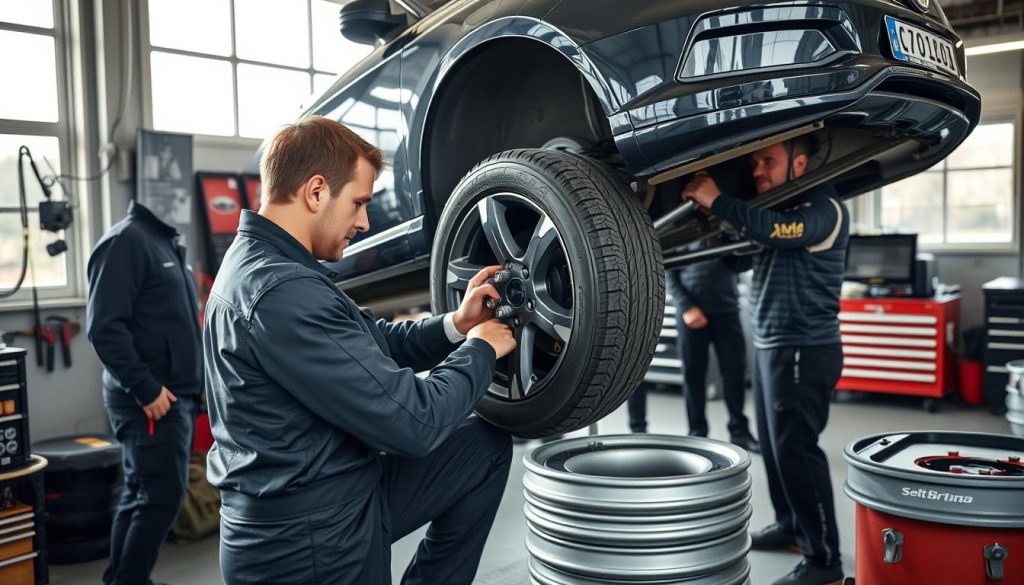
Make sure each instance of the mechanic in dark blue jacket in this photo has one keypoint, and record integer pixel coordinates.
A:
(143, 321)
(328, 447)
(707, 312)
(795, 316)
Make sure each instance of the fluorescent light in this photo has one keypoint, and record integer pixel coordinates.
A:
(996, 48)
(998, 44)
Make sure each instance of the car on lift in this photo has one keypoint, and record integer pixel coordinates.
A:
(553, 136)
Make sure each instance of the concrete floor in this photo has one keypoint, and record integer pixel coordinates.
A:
(504, 557)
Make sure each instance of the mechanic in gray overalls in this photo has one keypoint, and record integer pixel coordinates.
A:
(328, 448)
(794, 297)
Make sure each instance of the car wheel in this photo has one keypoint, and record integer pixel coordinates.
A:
(588, 287)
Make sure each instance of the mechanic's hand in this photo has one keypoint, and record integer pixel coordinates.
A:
(495, 333)
(159, 407)
(473, 310)
(702, 189)
(694, 318)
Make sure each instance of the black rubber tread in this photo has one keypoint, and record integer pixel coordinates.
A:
(631, 283)
(643, 247)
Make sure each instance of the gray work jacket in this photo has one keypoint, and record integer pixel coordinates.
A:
(305, 389)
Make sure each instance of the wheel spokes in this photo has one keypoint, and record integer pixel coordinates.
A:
(551, 317)
(497, 231)
(543, 242)
(521, 376)
(460, 272)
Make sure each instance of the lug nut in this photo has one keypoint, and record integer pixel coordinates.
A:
(526, 273)
(491, 304)
(503, 312)
(516, 321)
(529, 304)
(501, 276)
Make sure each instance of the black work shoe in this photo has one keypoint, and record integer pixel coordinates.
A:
(807, 574)
(747, 442)
(772, 537)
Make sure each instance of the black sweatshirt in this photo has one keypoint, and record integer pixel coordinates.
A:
(794, 295)
(142, 315)
(709, 285)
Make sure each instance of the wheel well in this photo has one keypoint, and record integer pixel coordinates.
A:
(509, 93)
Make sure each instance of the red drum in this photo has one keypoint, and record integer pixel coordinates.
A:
(938, 507)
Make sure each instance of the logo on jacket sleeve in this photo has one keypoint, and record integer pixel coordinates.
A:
(788, 231)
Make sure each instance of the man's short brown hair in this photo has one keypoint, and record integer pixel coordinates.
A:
(313, 146)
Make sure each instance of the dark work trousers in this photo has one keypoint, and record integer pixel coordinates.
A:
(456, 488)
(155, 480)
(637, 407)
(726, 334)
(792, 391)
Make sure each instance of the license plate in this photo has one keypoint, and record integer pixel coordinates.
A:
(916, 45)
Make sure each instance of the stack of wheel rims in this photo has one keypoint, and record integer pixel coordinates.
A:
(638, 509)
(1015, 397)
(938, 507)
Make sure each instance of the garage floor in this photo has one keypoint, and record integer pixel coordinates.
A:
(504, 557)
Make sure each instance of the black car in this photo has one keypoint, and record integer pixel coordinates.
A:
(553, 136)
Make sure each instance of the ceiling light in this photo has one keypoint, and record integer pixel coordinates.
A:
(998, 44)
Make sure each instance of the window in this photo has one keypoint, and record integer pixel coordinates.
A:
(33, 113)
(241, 67)
(967, 200)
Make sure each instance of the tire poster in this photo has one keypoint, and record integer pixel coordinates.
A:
(164, 180)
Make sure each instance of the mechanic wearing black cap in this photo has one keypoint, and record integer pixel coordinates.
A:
(328, 447)
(795, 317)
(142, 318)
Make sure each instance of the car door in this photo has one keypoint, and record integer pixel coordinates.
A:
(370, 106)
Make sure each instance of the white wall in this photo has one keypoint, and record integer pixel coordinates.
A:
(998, 78)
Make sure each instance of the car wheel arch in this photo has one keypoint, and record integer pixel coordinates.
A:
(446, 123)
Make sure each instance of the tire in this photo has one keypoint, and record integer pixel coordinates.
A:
(600, 275)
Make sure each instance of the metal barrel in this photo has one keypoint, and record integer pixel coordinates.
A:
(637, 509)
(960, 479)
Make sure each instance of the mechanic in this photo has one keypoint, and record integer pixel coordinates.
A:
(708, 312)
(798, 358)
(142, 319)
(328, 447)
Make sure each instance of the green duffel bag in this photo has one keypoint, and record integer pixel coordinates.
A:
(200, 514)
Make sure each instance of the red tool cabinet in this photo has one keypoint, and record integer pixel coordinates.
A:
(900, 345)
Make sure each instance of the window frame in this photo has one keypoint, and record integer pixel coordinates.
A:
(872, 208)
(70, 116)
(215, 140)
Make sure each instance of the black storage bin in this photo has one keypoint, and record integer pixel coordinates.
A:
(83, 484)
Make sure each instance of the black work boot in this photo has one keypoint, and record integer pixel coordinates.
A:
(773, 537)
(747, 442)
(807, 574)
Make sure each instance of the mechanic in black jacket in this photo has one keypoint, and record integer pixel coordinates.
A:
(707, 312)
(795, 317)
(328, 447)
(143, 321)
